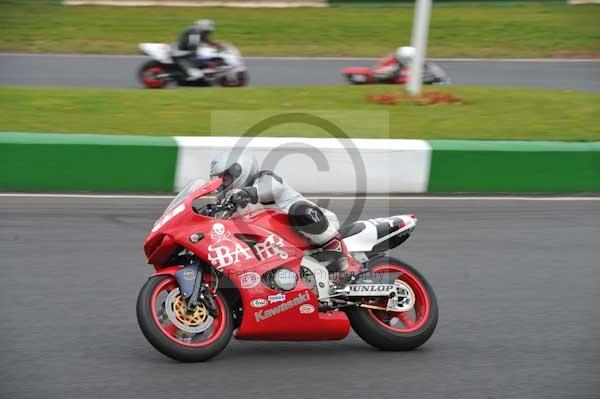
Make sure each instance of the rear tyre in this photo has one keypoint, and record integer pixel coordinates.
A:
(148, 72)
(399, 331)
(167, 336)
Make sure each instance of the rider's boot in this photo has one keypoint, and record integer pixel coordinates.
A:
(194, 73)
(337, 265)
(191, 71)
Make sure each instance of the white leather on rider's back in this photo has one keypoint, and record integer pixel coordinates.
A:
(271, 190)
(275, 194)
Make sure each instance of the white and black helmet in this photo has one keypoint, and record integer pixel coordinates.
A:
(205, 25)
(237, 167)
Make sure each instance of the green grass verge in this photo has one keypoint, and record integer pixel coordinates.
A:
(522, 30)
(488, 113)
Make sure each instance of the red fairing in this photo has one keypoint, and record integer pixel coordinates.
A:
(167, 271)
(386, 61)
(274, 221)
(357, 71)
(370, 73)
(244, 249)
(292, 315)
(160, 249)
(403, 76)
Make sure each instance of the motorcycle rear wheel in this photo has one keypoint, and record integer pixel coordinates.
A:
(148, 72)
(167, 337)
(397, 331)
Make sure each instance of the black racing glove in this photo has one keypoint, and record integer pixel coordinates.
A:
(242, 197)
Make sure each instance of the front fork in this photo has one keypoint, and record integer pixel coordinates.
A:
(190, 279)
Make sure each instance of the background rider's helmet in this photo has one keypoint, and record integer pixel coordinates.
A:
(205, 25)
(237, 167)
(405, 54)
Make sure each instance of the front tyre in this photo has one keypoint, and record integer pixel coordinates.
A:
(356, 79)
(181, 335)
(397, 331)
(240, 79)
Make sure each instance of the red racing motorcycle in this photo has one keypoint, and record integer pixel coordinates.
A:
(252, 276)
(433, 74)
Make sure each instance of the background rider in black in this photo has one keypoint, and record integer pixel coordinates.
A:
(184, 53)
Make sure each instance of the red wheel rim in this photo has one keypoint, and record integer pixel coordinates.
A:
(403, 322)
(173, 333)
(149, 76)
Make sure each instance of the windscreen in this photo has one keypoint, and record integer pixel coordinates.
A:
(184, 193)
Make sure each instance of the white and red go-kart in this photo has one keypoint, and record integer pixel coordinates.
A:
(222, 67)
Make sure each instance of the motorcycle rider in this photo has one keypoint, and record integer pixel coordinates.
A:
(391, 66)
(184, 53)
(250, 190)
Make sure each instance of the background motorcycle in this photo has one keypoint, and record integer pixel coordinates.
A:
(224, 67)
(432, 74)
(253, 274)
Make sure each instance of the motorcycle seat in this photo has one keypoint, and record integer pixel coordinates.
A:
(351, 229)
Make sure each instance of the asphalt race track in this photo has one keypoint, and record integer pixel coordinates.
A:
(120, 71)
(517, 281)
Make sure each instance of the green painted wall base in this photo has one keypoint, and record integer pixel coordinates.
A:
(67, 162)
(513, 166)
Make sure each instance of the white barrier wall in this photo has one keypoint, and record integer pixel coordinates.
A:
(319, 165)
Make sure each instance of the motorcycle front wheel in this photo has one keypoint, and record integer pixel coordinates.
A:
(397, 331)
(356, 79)
(241, 80)
(175, 331)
